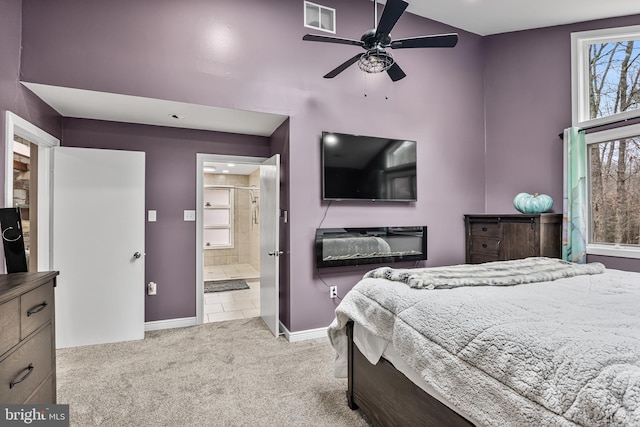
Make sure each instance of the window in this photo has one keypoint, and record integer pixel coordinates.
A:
(605, 70)
(218, 217)
(319, 17)
(606, 90)
(614, 191)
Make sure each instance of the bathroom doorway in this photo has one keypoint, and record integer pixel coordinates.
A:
(259, 215)
(231, 237)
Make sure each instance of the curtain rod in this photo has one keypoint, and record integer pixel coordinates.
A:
(588, 128)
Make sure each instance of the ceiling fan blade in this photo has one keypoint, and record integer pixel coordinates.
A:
(441, 40)
(395, 72)
(390, 15)
(340, 68)
(327, 39)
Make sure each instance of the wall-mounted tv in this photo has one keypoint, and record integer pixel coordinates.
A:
(357, 167)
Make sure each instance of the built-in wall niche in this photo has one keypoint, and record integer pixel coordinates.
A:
(218, 216)
(370, 245)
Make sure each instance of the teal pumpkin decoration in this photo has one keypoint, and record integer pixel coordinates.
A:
(532, 203)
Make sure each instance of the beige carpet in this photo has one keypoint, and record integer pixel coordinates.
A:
(231, 373)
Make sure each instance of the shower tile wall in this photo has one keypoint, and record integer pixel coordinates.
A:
(244, 231)
(254, 235)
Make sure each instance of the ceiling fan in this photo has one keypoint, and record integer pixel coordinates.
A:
(375, 42)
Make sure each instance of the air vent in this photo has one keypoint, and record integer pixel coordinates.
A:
(319, 17)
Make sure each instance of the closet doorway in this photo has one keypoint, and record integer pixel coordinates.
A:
(238, 252)
(37, 146)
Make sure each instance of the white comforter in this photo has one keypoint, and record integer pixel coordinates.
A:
(565, 352)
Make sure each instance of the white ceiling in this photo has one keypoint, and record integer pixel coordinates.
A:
(87, 104)
(483, 17)
(230, 168)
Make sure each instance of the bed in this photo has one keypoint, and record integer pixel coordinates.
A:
(534, 342)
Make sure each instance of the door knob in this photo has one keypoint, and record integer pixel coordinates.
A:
(137, 255)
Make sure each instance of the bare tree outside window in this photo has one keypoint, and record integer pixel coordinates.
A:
(614, 87)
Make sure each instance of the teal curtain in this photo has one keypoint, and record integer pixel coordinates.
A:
(574, 228)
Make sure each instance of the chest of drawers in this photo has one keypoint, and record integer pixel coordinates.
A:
(512, 236)
(27, 338)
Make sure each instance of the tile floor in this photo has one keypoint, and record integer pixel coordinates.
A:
(232, 305)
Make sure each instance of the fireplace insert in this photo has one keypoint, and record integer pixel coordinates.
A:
(337, 247)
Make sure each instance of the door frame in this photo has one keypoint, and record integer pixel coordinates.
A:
(16, 125)
(201, 160)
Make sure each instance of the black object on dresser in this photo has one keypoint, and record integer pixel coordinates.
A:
(13, 240)
(492, 237)
(27, 338)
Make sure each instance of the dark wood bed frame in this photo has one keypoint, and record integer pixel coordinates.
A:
(388, 398)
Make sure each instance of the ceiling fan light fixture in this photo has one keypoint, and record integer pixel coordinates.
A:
(375, 61)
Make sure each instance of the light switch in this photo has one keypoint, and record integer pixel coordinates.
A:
(189, 215)
(151, 217)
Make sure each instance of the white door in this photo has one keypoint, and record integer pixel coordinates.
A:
(269, 242)
(98, 245)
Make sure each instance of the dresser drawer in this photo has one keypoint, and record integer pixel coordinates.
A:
(9, 324)
(484, 245)
(45, 394)
(36, 308)
(485, 229)
(482, 258)
(36, 353)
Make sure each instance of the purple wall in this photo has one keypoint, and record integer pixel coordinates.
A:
(527, 104)
(517, 84)
(170, 176)
(211, 53)
(13, 96)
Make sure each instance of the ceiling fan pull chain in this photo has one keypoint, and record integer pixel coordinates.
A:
(365, 85)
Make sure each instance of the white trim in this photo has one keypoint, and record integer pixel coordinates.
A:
(620, 251)
(580, 42)
(309, 334)
(612, 134)
(158, 325)
(201, 159)
(319, 27)
(16, 125)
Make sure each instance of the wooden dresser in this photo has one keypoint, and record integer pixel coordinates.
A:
(27, 338)
(512, 236)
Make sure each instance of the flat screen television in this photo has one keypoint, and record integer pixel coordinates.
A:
(357, 167)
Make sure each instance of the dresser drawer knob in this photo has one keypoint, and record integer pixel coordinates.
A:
(484, 245)
(29, 370)
(37, 309)
(484, 228)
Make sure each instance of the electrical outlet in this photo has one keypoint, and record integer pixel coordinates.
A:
(152, 288)
(333, 291)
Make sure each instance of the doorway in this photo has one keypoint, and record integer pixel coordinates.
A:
(18, 132)
(231, 236)
(25, 190)
(260, 216)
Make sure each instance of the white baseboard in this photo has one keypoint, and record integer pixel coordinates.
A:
(309, 334)
(170, 324)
